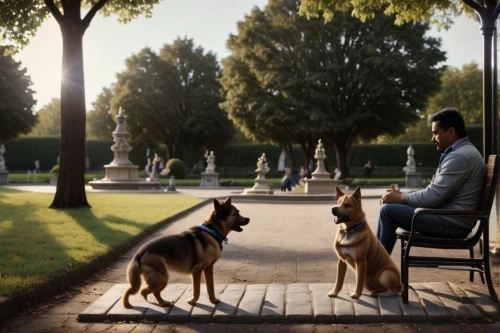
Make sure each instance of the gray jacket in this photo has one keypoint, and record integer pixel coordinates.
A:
(457, 184)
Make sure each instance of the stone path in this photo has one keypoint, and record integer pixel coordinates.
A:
(287, 246)
(297, 303)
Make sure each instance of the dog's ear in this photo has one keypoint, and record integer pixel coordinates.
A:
(338, 192)
(227, 202)
(217, 207)
(357, 194)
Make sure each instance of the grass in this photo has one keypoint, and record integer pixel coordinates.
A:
(37, 242)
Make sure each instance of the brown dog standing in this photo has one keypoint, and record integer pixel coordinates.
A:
(192, 252)
(356, 245)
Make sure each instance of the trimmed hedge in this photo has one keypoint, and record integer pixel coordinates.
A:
(21, 154)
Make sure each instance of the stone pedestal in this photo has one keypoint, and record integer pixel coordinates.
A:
(261, 183)
(413, 179)
(121, 174)
(209, 179)
(320, 182)
(320, 186)
(4, 177)
(261, 187)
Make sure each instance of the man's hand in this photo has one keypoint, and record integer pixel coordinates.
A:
(391, 196)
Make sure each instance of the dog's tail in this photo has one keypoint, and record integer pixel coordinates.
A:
(134, 279)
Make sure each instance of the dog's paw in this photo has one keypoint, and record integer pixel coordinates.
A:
(165, 304)
(192, 300)
(332, 294)
(214, 300)
(355, 296)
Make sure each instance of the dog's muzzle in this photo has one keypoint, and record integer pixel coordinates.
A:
(340, 216)
(238, 228)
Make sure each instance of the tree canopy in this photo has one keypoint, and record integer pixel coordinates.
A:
(100, 119)
(173, 98)
(291, 79)
(49, 119)
(16, 99)
(19, 21)
(439, 12)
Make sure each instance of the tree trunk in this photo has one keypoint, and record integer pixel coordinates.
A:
(70, 191)
(342, 153)
(289, 156)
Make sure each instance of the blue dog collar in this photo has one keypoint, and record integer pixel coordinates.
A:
(355, 227)
(213, 232)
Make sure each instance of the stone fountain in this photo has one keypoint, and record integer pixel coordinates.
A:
(121, 174)
(261, 183)
(320, 182)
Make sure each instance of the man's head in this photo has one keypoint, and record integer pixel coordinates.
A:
(447, 127)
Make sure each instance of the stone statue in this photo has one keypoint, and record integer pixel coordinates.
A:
(210, 161)
(411, 165)
(319, 153)
(37, 166)
(262, 163)
(153, 176)
(2, 159)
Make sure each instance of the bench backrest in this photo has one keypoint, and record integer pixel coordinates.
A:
(490, 184)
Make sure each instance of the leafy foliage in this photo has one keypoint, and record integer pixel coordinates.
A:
(16, 99)
(173, 98)
(19, 20)
(49, 119)
(100, 119)
(438, 12)
(177, 168)
(292, 79)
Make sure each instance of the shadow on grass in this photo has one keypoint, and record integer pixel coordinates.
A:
(103, 233)
(28, 252)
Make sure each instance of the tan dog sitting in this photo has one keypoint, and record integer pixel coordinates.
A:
(356, 245)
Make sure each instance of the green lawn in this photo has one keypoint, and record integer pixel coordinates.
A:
(37, 242)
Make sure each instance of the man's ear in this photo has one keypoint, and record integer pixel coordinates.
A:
(357, 194)
(338, 192)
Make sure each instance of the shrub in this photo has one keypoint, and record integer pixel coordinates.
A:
(55, 169)
(177, 168)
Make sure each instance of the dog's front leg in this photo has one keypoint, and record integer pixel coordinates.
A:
(339, 282)
(209, 280)
(360, 278)
(196, 279)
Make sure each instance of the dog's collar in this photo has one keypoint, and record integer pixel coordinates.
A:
(354, 228)
(217, 235)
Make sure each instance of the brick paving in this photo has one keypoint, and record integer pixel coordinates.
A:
(284, 244)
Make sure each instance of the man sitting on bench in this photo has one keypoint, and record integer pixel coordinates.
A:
(457, 184)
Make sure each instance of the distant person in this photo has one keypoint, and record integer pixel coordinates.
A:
(288, 181)
(367, 169)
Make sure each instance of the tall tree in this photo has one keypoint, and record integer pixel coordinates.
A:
(291, 78)
(461, 88)
(100, 119)
(16, 99)
(173, 98)
(19, 21)
(49, 119)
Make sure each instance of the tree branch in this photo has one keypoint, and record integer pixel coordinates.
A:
(90, 15)
(54, 10)
(474, 5)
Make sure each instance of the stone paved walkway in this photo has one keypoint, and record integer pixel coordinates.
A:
(297, 303)
(287, 245)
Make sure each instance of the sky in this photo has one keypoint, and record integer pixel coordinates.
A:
(108, 43)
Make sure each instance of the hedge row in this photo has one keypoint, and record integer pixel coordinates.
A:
(21, 154)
